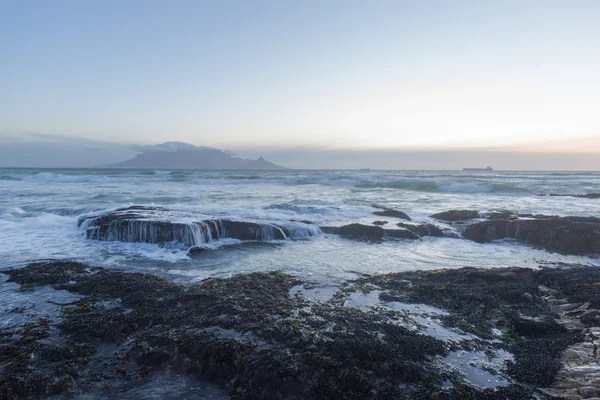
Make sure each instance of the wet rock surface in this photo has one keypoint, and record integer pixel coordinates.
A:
(198, 251)
(456, 215)
(568, 235)
(258, 336)
(423, 229)
(169, 228)
(369, 232)
(389, 212)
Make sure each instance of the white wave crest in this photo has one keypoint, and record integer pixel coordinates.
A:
(51, 177)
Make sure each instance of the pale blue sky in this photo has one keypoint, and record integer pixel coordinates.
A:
(359, 74)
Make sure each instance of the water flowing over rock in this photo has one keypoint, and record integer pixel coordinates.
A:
(370, 232)
(176, 229)
(423, 229)
(568, 235)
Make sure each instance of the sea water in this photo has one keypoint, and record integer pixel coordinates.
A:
(39, 211)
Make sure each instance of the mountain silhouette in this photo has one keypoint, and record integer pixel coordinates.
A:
(177, 155)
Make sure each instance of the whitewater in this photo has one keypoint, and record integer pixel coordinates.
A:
(40, 209)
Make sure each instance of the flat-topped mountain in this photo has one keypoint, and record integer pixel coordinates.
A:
(175, 155)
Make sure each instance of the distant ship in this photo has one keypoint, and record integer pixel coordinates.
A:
(488, 168)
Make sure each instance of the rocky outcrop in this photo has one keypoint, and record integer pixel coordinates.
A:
(258, 336)
(568, 235)
(456, 215)
(369, 232)
(170, 228)
(423, 229)
(388, 212)
(377, 232)
(504, 214)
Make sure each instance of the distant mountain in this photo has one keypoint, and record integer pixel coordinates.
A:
(177, 155)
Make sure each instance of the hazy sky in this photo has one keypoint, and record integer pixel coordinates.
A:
(335, 74)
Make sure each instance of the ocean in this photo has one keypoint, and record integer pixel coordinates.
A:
(39, 210)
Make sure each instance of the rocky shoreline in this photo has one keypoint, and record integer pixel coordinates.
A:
(507, 333)
(165, 227)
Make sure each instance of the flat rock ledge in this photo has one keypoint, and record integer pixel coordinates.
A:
(141, 224)
(568, 235)
(264, 335)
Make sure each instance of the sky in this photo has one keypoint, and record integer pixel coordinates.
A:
(327, 76)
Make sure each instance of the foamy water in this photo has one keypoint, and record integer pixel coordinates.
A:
(39, 211)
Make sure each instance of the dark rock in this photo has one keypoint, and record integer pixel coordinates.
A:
(528, 297)
(380, 223)
(568, 235)
(590, 318)
(502, 214)
(481, 300)
(388, 212)
(197, 250)
(579, 283)
(456, 215)
(589, 392)
(423, 229)
(48, 273)
(228, 331)
(536, 361)
(251, 231)
(532, 327)
(369, 232)
(247, 335)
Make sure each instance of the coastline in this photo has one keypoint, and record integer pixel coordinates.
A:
(270, 335)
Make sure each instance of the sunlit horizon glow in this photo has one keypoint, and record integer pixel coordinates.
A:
(333, 75)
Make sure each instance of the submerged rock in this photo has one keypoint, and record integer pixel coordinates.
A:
(423, 229)
(456, 215)
(369, 232)
(380, 223)
(568, 235)
(197, 251)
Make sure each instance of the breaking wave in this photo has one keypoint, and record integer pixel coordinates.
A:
(52, 177)
(444, 187)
